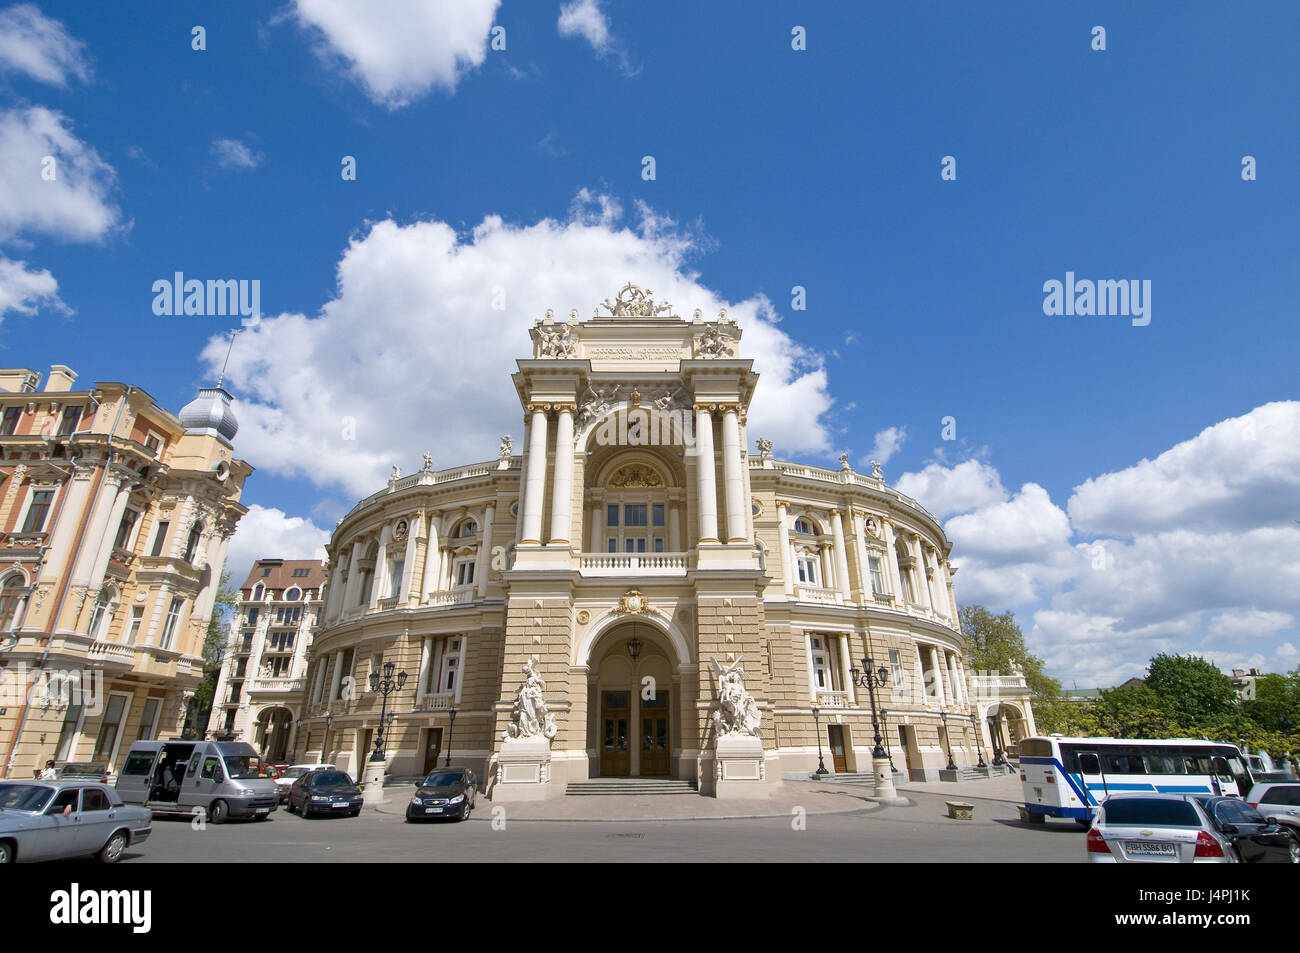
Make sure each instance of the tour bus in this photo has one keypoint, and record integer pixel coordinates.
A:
(221, 778)
(1068, 777)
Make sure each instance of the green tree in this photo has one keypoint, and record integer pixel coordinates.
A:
(1192, 690)
(1135, 711)
(994, 642)
(214, 653)
(1276, 705)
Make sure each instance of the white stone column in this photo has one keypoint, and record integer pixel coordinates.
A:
(379, 581)
(413, 528)
(940, 697)
(674, 527)
(206, 597)
(922, 582)
(562, 487)
(828, 572)
(432, 559)
(335, 587)
(891, 564)
(535, 480)
(864, 565)
(110, 535)
(846, 663)
(705, 478)
(597, 527)
(422, 682)
(484, 551)
(841, 556)
(61, 553)
(336, 679)
(733, 479)
(99, 520)
(951, 593)
(954, 681)
(787, 557)
(353, 592)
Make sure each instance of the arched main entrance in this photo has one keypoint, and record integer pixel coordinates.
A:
(634, 703)
(272, 738)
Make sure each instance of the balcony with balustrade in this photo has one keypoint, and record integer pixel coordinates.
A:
(640, 564)
(278, 685)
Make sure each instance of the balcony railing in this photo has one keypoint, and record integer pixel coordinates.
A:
(826, 597)
(646, 564)
(279, 684)
(111, 652)
(460, 596)
(832, 699)
(389, 603)
(993, 686)
(441, 701)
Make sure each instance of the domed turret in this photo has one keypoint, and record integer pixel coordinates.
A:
(210, 413)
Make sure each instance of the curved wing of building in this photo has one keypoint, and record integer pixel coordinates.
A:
(637, 594)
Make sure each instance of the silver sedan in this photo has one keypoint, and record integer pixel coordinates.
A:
(52, 820)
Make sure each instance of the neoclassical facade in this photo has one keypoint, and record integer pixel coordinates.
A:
(638, 592)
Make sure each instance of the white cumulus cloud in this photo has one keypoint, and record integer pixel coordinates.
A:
(957, 489)
(76, 203)
(233, 154)
(410, 353)
(400, 49)
(268, 533)
(40, 47)
(24, 290)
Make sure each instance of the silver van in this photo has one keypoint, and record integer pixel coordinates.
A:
(224, 778)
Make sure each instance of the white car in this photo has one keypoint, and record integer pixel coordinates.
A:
(291, 774)
(1279, 801)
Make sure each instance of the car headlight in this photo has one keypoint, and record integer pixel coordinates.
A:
(457, 799)
(416, 802)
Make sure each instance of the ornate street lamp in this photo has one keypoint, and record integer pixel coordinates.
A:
(943, 716)
(384, 685)
(871, 678)
(451, 712)
(821, 765)
(324, 745)
(975, 727)
(993, 734)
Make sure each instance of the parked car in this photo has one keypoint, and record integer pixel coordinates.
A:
(1281, 802)
(446, 793)
(325, 791)
(1181, 829)
(84, 771)
(53, 820)
(223, 778)
(291, 774)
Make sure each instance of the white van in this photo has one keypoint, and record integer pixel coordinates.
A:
(224, 778)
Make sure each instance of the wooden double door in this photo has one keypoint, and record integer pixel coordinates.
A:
(647, 727)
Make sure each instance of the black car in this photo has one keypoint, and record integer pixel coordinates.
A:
(446, 793)
(325, 791)
(1256, 839)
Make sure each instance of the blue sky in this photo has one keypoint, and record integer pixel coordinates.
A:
(774, 168)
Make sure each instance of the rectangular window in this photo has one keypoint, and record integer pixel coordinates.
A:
(659, 544)
(345, 669)
(71, 723)
(153, 443)
(169, 626)
(395, 587)
(611, 545)
(658, 514)
(877, 577)
(124, 529)
(133, 627)
(807, 570)
(611, 514)
(451, 664)
(149, 720)
(10, 425)
(634, 514)
(37, 511)
(465, 573)
(896, 667)
(69, 423)
(279, 667)
(159, 538)
(108, 728)
(252, 616)
(241, 668)
(634, 544)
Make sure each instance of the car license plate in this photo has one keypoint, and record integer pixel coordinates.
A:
(263, 810)
(433, 810)
(342, 804)
(1148, 848)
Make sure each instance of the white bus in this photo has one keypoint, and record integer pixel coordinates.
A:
(1068, 777)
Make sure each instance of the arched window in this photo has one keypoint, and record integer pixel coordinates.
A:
(257, 594)
(293, 594)
(805, 526)
(12, 593)
(466, 529)
(192, 544)
(636, 510)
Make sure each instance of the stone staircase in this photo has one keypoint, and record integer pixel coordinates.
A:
(852, 777)
(628, 787)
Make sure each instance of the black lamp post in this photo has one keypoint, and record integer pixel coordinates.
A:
(297, 736)
(975, 727)
(871, 678)
(889, 753)
(451, 712)
(324, 745)
(943, 716)
(384, 685)
(821, 765)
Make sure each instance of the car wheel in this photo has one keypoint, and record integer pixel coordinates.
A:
(7, 853)
(1293, 849)
(464, 811)
(111, 852)
(356, 813)
(218, 812)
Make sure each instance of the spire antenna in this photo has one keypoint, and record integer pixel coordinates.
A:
(234, 332)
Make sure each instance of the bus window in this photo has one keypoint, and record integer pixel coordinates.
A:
(1221, 769)
(1197, 764)
(1162, 762)
(1088, 763)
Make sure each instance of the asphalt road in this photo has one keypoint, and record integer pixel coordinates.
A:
(920, 834)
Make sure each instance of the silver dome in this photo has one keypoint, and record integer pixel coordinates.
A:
(210, 414)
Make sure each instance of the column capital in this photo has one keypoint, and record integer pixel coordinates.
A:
(565, 408)
(538, 407)
(782, 505)
(704, 408)
(728, 407)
